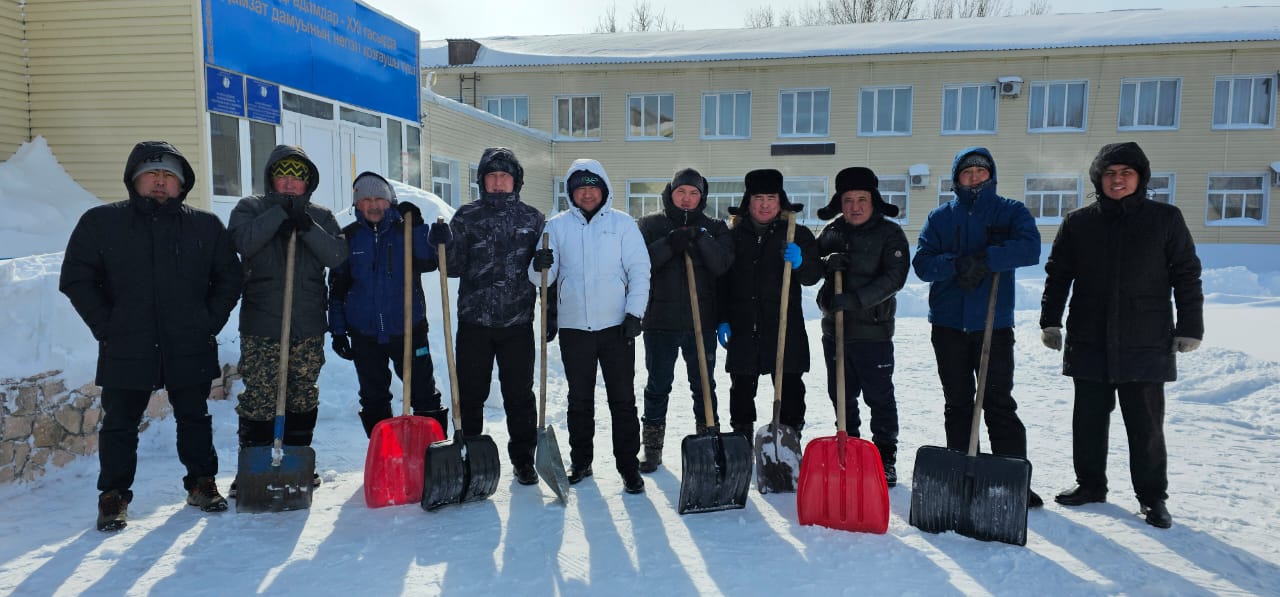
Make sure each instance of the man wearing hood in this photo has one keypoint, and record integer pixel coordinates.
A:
(872, 253)
(155, 280)
(493, 239)
(366, 301)
(680, 228)
(600, 265)
(961, 243)
(1119, 258)
(260, 228)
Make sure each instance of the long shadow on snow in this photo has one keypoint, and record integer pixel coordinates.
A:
(654, 554)
(272, 535)
(469, 536)
(1243, 568)
(719, 538)
(531, 544)
(608, 563)
(138, 559)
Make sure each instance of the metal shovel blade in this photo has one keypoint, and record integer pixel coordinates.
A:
(261, 487)
(549, 464)
(983, 496)
(460, 470)
(777, 454)
(716, 472)
(842, 485)
(393, 467)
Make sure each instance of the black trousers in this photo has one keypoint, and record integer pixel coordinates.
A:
(512, 347)
(742, 400)
(375, 379)
(122, 412)
(868, 370)
(1142, 406)
(958, 354)
(615, 354)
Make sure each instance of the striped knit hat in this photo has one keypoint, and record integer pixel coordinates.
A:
(291, 166)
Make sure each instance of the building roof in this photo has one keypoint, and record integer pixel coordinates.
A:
(434, 99)
(1036, 32)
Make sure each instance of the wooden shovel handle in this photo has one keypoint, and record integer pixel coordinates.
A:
(542, 381)
(282, 377)
(782, 322)
(448, 333)
(705, 376)
(983, 361)
(406, 358)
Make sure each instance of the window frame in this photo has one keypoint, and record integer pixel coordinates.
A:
(714, 198)
(959, 89)
(720, 96)
(905, 209)
(473, 182)
(1063, 210)
(875, 91)
(1171, 190)
(453, 197)
(1264, 190)
(795, 104)
(515, 107)
(1137, 82)
(661, 97)
(815, 201)
(1044, 128)
(587, 97)
(950, 193)
(1231, 80)
(560, 195)
(660, 183)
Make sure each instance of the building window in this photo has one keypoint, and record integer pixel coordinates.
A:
(395, 150)
(1050, 197)
(1149, 104)
(473, 185)
(893, 189)
(413, 147)
(578, 117)
(811, 192)
(562, 195)
(306, 105)
(442, 180)
(644, 196)
(359, 117)
(884, 111)
(1244, 102)
(804, 112)
(651, 117)
(1160, 187)
(1057, 106)
(968, 109)
(224, 144)
(514, 108)
(726, 115)
(1237, 200)
(723, 193)
(945, 191)
(262, 139)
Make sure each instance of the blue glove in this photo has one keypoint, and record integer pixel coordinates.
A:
(792, 254)
(722, 335)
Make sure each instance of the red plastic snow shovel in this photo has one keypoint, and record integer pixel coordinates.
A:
(716, 468)
(842, 482)
(393, 467)
(983, 496)
(546, 457)
(276, 478)
(777, 446)
(464, 469)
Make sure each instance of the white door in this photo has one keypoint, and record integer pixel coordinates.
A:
(319, 138)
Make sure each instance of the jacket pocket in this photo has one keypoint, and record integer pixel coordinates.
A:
(1149, 323)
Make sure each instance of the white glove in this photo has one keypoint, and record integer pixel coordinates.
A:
(1185, 344)
(1052, 338)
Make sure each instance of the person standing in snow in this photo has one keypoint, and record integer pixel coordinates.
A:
(600, 265)
(155, 280)
(961, 243)
(872, 253)
(1119, 258)
(492, 241)
(680, 228)
(260, 227)
(750, 299)
(366, 301)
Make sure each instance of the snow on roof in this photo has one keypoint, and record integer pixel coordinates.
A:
(1114, 28)
(430, 97)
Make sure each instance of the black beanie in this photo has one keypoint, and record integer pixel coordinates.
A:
(586, 178)
(690, 177)
(764, 182)
(857, 178)
(1128, 154)
(500, 159)
(975, 159)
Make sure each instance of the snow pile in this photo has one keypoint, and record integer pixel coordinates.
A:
(40, 202)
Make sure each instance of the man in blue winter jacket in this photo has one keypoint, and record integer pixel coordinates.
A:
(961, 244)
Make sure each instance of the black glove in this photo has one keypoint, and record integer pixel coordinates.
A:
(542, 260)
(971, 270)
(302, 221)
(342, 346)
(845, 301)
(553, 328)
(631, 326)
(404, 207)
(440, 234)
(286, 228)
(679, 239)
(836, 262)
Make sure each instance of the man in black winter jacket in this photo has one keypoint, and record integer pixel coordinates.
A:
(680, 228)
(873, 256)
(155, 280)
(1119, 258)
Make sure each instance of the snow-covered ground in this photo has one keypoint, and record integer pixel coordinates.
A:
(1223, 423)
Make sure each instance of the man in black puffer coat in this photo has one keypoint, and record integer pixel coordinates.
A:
(155, 280)
(1119, 258)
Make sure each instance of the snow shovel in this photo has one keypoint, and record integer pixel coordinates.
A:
(393, 467)
(465, 469)
(983, 496)
(842, 483)
(546, 458)
(277, 478)
(716, 468)
(777, 446)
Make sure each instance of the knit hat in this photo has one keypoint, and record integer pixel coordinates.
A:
(974, 159)
(291, 166)
(500, 159)
(764, 182)
(370, 184)
(586, 178)
(1128, 154)
(690, 177)
(857, 178)
(161, 161)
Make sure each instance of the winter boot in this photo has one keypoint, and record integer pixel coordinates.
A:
(370, 417)
(256, 433)
(578, 472)
(743, 429)
(653, 436)
(1157, 514)
(299, 428)
(441, 415)
(889, 458)
(525, 474)
(205, 496)
(113, 510)
(632, 482)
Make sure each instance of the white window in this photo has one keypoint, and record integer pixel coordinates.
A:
(644, 196)
(509, 107)
(1057, 106)
(561, 194)
(726, 115)
(473, 176)
(893, 189)
(413, 155)
(1161, 187)
(884, 111)
(945, 191)
(239, 147)
(969, 109)
(804, 112)
(651, 116)
(811, 192)
(1049, 197)
(723, 193)
(1147, 104)
(1247, 102)
(578, 117)
(444, 180)
(1237, 200)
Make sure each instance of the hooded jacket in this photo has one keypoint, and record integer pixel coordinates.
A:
(976, 222)
(601, 264)
(879, 260)
(254, 224)
(154, 282)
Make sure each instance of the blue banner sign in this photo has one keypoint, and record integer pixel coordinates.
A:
(225, 91)
(262, 100)
(339, 49)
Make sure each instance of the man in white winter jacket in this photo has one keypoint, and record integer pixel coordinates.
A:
(599, 262)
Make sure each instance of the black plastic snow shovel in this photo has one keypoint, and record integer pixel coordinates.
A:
(716, 469)
(777, 446)
(546, 457)
(983, 496)
(276, 478)
(464, 469)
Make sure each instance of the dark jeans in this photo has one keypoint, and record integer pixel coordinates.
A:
(959, 354)
(868, 370)
(660, 350)
(1142, 406)
(512, 347)
(742, 400)
(122, 412)
(581, 351)
(375, 379)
